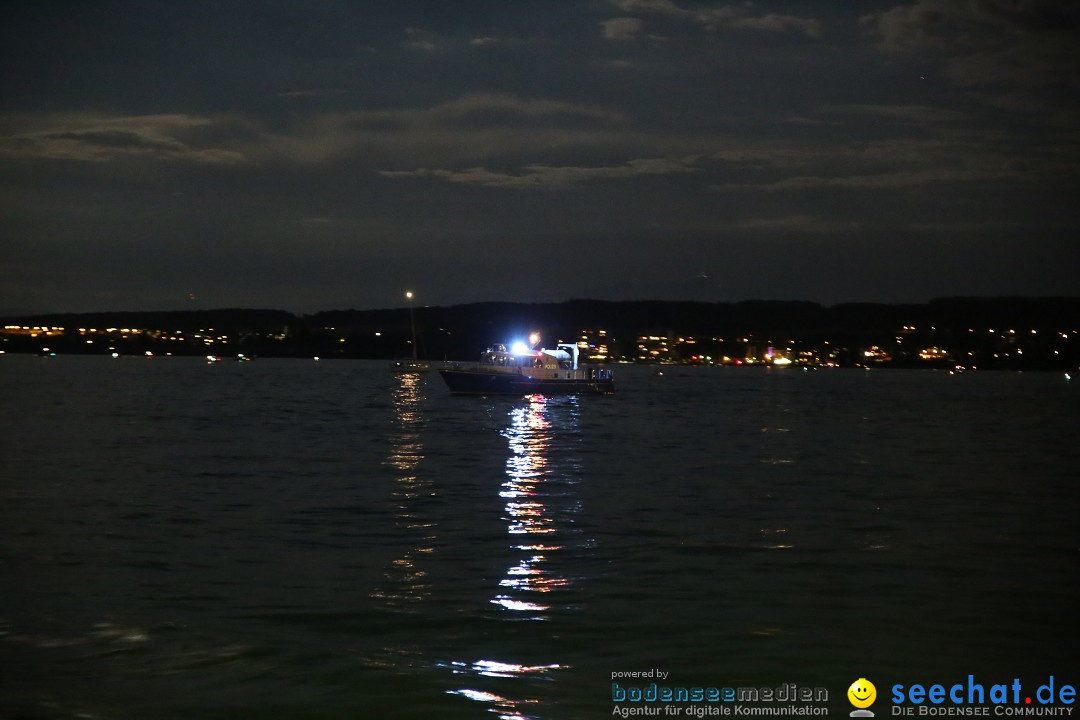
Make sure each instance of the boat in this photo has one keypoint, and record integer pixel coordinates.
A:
(407, 365)
(525, 371)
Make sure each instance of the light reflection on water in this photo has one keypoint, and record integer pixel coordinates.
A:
(405, 581)
(529, 437)
(506, 708)
(535, 532)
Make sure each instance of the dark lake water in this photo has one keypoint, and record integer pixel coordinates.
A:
(300, 539)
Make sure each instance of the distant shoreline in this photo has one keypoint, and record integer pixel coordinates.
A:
(949, 333)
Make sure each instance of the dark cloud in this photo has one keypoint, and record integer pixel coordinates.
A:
(621, 28)
(544, 176)
(310, 156)
(1021, 55)
(729, 16)
(91, 138)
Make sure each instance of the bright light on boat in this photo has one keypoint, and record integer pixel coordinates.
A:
(534, 338)
(519, 348)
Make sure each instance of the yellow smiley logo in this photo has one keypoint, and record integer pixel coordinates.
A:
(862, 693)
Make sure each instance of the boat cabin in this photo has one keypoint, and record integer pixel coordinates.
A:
(525, 370)
(560, 363)
(558, 359)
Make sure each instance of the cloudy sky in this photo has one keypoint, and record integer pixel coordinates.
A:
(330, 154)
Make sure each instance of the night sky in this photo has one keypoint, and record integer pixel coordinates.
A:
(320, 155)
